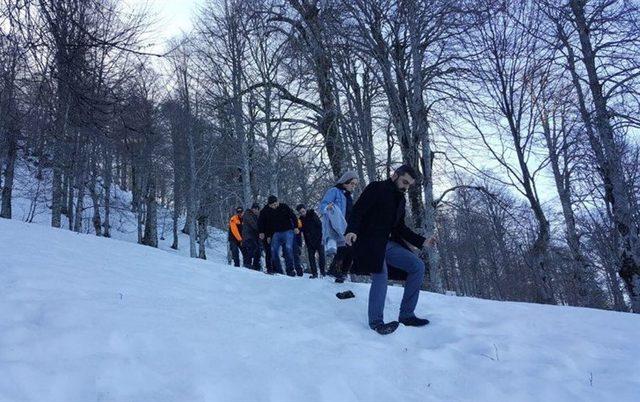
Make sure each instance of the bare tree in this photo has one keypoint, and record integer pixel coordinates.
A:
(507, 59)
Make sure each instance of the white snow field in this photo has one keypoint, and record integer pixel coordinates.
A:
(93, 319)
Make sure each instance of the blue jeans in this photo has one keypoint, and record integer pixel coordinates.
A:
(284, 240)
(401, 258)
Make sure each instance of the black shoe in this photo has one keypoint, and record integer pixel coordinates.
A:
(300, 274)
(345, 295)
(414, 321)
(340, 279)
(314, 276)
(386, 329)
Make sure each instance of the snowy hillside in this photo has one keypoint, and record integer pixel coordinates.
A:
(94, 319)
(31, 203)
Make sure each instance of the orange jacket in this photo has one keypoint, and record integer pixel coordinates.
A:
(234, 225)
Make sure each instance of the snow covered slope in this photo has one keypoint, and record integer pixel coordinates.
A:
(31, 203)
(93, 319)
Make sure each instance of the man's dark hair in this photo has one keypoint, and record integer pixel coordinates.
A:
(239, 210)
(406, 169)
(299, 207)
(272, 199)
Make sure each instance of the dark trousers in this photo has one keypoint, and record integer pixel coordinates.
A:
(341, 264)
(267, 256)
(297, 253)
(235, 252)
(251, 254)
(312, 249)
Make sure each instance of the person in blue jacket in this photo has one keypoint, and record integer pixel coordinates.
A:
(340, 197)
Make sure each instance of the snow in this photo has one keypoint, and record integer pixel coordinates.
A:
(31, 202)
(93, 319)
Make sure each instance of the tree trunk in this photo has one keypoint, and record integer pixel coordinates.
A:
(107, 192)
(203, 234)
(69, 197)
(9, 170)
(151, 217)
(272, 157)
(629, 252)
(424, 214)
(96, 220)
(191, 194)
(77, 225)
(322, 66)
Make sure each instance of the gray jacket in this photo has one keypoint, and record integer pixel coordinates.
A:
(249, 226)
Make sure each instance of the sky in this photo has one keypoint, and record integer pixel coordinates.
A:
(173, 17)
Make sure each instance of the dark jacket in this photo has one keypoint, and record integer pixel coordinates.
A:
(377, 217)
(312, 228)
(280, 219)
(349, 207)
(250, 225)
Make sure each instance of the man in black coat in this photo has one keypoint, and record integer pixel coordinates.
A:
(250, 240)
(312, 231)
(277, 223)
(379, 237)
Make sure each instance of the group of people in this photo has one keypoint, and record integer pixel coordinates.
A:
(366, 237)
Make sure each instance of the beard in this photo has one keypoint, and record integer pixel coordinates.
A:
(402, 190)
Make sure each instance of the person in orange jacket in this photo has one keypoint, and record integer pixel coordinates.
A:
(235, 235)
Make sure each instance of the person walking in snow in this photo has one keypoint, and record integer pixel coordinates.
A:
(235, 235)
(277, 224)
(339, 199)
(297, 248)
(380, 239)
(312, 231)
(250, 238)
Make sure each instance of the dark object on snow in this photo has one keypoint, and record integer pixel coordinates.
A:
(345, 295)
(414, 321)
(386, 329)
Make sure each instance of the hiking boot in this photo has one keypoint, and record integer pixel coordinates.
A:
(414, 321)
(386, 329)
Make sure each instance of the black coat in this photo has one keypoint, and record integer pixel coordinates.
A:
(280, 219)
(312, 228)
(250, 226)
(378, 217)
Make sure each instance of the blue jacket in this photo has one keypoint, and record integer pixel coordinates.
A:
(333, 227)
(336, 196)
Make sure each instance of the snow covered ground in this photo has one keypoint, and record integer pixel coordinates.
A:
(93, 319)
(32, 199)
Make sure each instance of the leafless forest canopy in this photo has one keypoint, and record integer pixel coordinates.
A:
(522, 117)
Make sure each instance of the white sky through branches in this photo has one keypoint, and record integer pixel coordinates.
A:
(171, 19)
